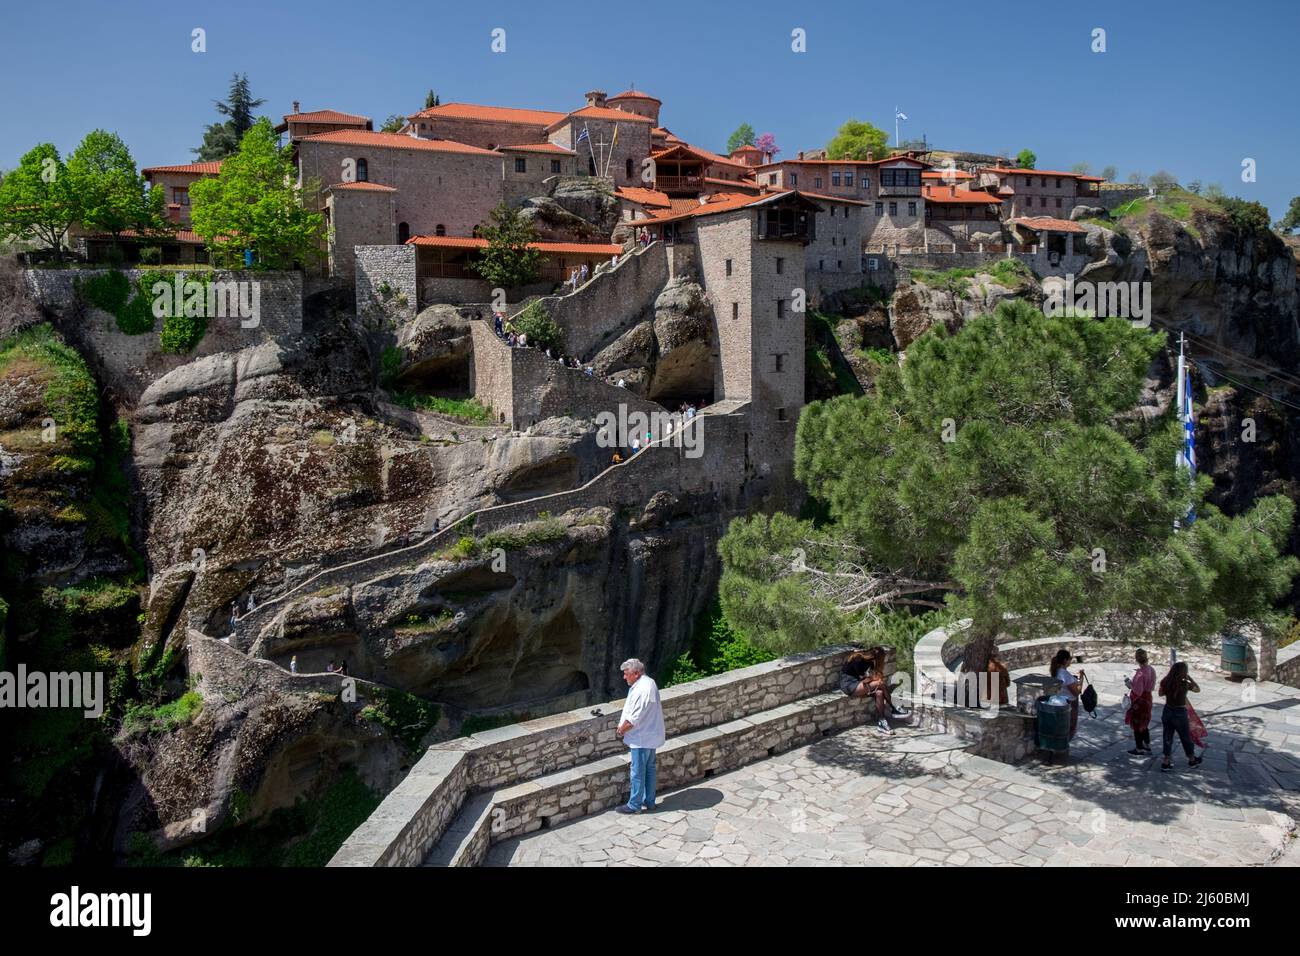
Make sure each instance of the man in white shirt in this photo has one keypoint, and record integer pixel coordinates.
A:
(642, 728)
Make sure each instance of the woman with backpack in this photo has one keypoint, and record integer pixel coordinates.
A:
(1138, 715)
(1176, 718)
(1070, 685)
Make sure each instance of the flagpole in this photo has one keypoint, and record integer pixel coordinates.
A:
(895, 126)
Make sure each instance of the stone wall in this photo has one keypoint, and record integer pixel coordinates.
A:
(612, 301)
(131, 363)
(485, 134)
(358, 217)
(724, 242)
(1287, 669)
(405, 827)
(386, 266)
(1113, 195)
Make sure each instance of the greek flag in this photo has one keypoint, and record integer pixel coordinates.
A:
(1186, 455)
(581, 136)
(899, 114)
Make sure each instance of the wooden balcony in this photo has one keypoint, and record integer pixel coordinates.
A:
(677, 184)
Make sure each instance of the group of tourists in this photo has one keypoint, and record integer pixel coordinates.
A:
(516, 339)
(577, 276)
(1177, 717)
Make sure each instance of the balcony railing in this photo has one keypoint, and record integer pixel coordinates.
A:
(891, 191)
(670, 184)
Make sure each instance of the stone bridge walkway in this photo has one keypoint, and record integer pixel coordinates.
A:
(917, 799)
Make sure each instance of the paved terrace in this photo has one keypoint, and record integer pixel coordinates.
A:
(917, 799)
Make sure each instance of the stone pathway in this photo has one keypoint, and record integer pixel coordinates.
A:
(917, 799)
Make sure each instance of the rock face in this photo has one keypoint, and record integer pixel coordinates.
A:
(668, 359)
(916, 307)
(436, 349)
(525, 626)
(578, 209)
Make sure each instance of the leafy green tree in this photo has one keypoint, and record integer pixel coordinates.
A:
(393, 124)
(1027, 159)
(858, 140)
(431, 100)
(37, 202)
(996, 474)
(254, 205)
(222, 139)
(1291, 221)
(509, 260)
(742, 136)
(542, 330)
(112, 194)
(1245, 214)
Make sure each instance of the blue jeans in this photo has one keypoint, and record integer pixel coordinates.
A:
(643, 779)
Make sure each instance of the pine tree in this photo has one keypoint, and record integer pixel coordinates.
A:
(222, 139)
(431, 100)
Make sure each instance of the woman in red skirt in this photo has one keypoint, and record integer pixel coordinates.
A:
(1138, 716)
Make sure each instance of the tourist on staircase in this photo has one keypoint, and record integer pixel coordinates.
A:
(642, 728)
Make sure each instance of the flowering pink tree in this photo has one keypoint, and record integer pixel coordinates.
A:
(767, 144)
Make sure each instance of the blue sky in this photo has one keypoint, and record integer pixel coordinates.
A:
(1193, 86)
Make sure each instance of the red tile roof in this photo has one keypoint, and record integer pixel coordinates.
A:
(828, 198)
(363, 187)
(716, 203)
(490, 114)
(181, 235)
(361, 137)
(635, 95)
(742, 184)
(1006, 170)
(198, 169)
(602, 113)
(946, 174)
(537, 148)
(325, 116)
(747, 148)
(1048, 224)
(666, 134)
(843, 162)
(941, 193)
(559, 248)
(643, 196)
(715, 158)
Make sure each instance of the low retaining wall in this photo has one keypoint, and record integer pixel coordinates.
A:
(412, 818)
(1287, 669)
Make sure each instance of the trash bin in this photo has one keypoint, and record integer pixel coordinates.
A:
(1053, 724)
(1235, 658)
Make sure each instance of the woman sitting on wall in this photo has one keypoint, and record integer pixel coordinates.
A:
(863, 675)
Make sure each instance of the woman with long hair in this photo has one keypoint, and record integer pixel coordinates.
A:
(1138, 715)
(1071, 685)
(863, 675)
(1174, 718)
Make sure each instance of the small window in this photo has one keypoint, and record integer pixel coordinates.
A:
(780, 414)
(779, 365)
(848, 180)
(880, 209)
(821, 265)
(873, 264)
(839, 264)
(440, 230)
(818, 182)
(735, 310)
(363, 171)
(1058, 182)
(1058, 202)
(911, 209)
(780, 308)
(521, 164)
(728, 267)
(555, 167)
(1028, 181)
(893, 209)
(780, 266)
(181, 196)
(629, 167)
(403, 232)
(1043, 202)
(794, 180)
(835, 179)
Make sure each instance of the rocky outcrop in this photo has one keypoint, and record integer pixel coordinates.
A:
(915, 307)
(668, 359)
(436, 349)
(578, 209)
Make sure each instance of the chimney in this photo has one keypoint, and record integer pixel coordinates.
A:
(596, 98)
(953, 187)
(295, 107)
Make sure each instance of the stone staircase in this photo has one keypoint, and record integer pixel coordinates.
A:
(490, 817)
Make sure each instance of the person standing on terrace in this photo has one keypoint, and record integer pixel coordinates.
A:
(641, 726)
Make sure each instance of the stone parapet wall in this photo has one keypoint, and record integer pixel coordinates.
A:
(1112, 196)
(131, 363)
(612, 301)
(392, 270)
(405, 827)
(1287, 669)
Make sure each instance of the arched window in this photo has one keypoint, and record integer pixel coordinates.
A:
(363, 171)
(629, 167)
(440, 230)
(403, 232)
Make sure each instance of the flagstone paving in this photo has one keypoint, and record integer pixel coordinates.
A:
(917, 799)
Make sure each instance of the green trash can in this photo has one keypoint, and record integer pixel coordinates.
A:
(1053, 725)
(1235, 658)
